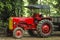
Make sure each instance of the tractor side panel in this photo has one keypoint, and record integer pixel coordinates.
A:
(28, 20)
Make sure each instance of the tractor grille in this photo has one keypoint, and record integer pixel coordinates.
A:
(10, 23)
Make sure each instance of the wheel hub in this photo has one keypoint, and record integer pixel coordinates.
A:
(45, 28)
(18, 33)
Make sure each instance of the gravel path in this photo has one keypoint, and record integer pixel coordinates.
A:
(55, 36)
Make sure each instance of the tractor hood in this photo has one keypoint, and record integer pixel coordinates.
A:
(28, 20)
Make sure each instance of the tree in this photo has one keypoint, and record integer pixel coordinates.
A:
(18, 7)
(32, 1)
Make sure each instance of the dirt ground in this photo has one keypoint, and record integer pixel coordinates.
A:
(55, 36)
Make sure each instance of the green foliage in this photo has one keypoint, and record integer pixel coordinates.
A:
(1, 6)
(15, 7)
(9, 7)
(32, 1)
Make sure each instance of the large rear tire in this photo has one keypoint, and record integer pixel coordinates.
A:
(18, 32)
(45, 28)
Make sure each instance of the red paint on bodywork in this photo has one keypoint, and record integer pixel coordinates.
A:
(28, 20)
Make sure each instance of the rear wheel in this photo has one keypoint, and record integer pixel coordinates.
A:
(18, 32)
(45, 28)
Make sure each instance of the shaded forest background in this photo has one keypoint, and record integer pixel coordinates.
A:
(14, 7)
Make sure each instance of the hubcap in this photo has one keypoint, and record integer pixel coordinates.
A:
(46, 28)
(18, 33)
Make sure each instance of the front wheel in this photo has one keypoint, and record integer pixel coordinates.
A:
(18, 32)
(45, 28)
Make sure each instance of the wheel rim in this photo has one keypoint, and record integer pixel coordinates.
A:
(18, 33)
(46, 28)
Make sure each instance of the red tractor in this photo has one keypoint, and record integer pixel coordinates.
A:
(36, 25)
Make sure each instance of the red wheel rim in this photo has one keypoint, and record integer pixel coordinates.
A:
(46, 28)
(19, 33)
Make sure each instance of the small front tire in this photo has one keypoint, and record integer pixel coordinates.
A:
(18, 32)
